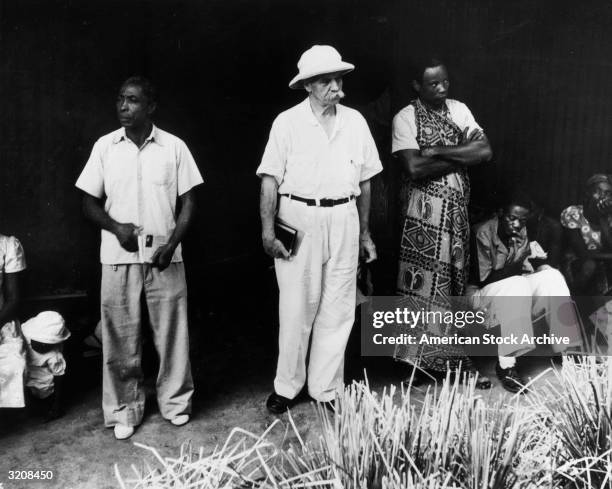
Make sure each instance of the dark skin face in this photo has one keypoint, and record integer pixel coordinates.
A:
(513, 220)
(41, 347)
(433, 88)
(598, 199)
(134, 109)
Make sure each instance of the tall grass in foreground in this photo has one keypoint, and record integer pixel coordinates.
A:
(578, 414)
(557, 437)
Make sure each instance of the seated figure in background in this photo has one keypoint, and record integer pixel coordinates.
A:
(588, 264)
(588, 229)
(12, 352)
(513, 282)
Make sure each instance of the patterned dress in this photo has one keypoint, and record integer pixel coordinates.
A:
(573, 218)
(435, 243)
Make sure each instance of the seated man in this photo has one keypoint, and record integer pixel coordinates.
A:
(505, 264)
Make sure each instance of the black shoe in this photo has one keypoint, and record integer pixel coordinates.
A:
(510, 379)
(482, 381)
(278, 404)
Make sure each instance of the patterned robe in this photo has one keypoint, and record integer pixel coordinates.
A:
(433, 262)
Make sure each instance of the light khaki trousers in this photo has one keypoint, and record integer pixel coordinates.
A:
(165, 294)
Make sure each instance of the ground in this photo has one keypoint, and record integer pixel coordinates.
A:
(233, 355)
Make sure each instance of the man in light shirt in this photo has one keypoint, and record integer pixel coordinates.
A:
(132, 182)
(317, 167)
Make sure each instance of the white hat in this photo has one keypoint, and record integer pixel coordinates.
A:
(48, 327)
(319, 60)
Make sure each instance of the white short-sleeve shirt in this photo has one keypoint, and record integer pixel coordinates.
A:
(141, 186)
(404, 129)
(308, 163)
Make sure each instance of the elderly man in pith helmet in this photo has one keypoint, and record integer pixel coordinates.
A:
(315, 178)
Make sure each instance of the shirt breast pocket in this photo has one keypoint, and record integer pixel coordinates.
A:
(158, 172)
(355, 166)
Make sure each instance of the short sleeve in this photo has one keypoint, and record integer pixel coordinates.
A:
(57, 365)
(188, 173)
(371, 160)
(570, 218)
(14, 260)
(462, 116)
(404, 131)
(274, 159)
(91, 180)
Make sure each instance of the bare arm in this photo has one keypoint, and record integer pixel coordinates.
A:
(473, 152)
(163, 255)
(417, 166)
(438, 161)
(577, 244)
(126, 232)
(11, 297)
(367, 249)
(267, 210)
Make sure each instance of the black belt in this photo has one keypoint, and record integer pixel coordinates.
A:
(320, 202)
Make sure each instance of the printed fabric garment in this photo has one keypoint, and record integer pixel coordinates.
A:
(435, 244)
(573, 218)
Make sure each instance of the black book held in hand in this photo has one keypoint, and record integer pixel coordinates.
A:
(286, 234)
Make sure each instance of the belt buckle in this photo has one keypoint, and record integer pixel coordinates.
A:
(317, 202)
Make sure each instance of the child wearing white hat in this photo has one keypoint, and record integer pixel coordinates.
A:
(45, 334)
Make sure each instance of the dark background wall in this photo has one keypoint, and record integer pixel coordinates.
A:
(535, 74)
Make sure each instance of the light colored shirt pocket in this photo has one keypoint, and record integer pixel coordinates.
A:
(158, 172)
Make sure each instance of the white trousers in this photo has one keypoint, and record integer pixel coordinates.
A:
(525, 298)
(317, 295)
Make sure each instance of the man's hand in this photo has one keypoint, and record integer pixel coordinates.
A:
(274, 248)
(367, 248)
(162, 257)
(604, 206)
(127, 234)
(475, 135)
(516, 265)
(428, 152)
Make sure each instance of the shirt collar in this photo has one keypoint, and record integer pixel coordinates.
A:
(310, 117)
(154, 136)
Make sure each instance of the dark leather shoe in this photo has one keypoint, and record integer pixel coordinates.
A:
(278, 404)
(510, 379)
(482, 381)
